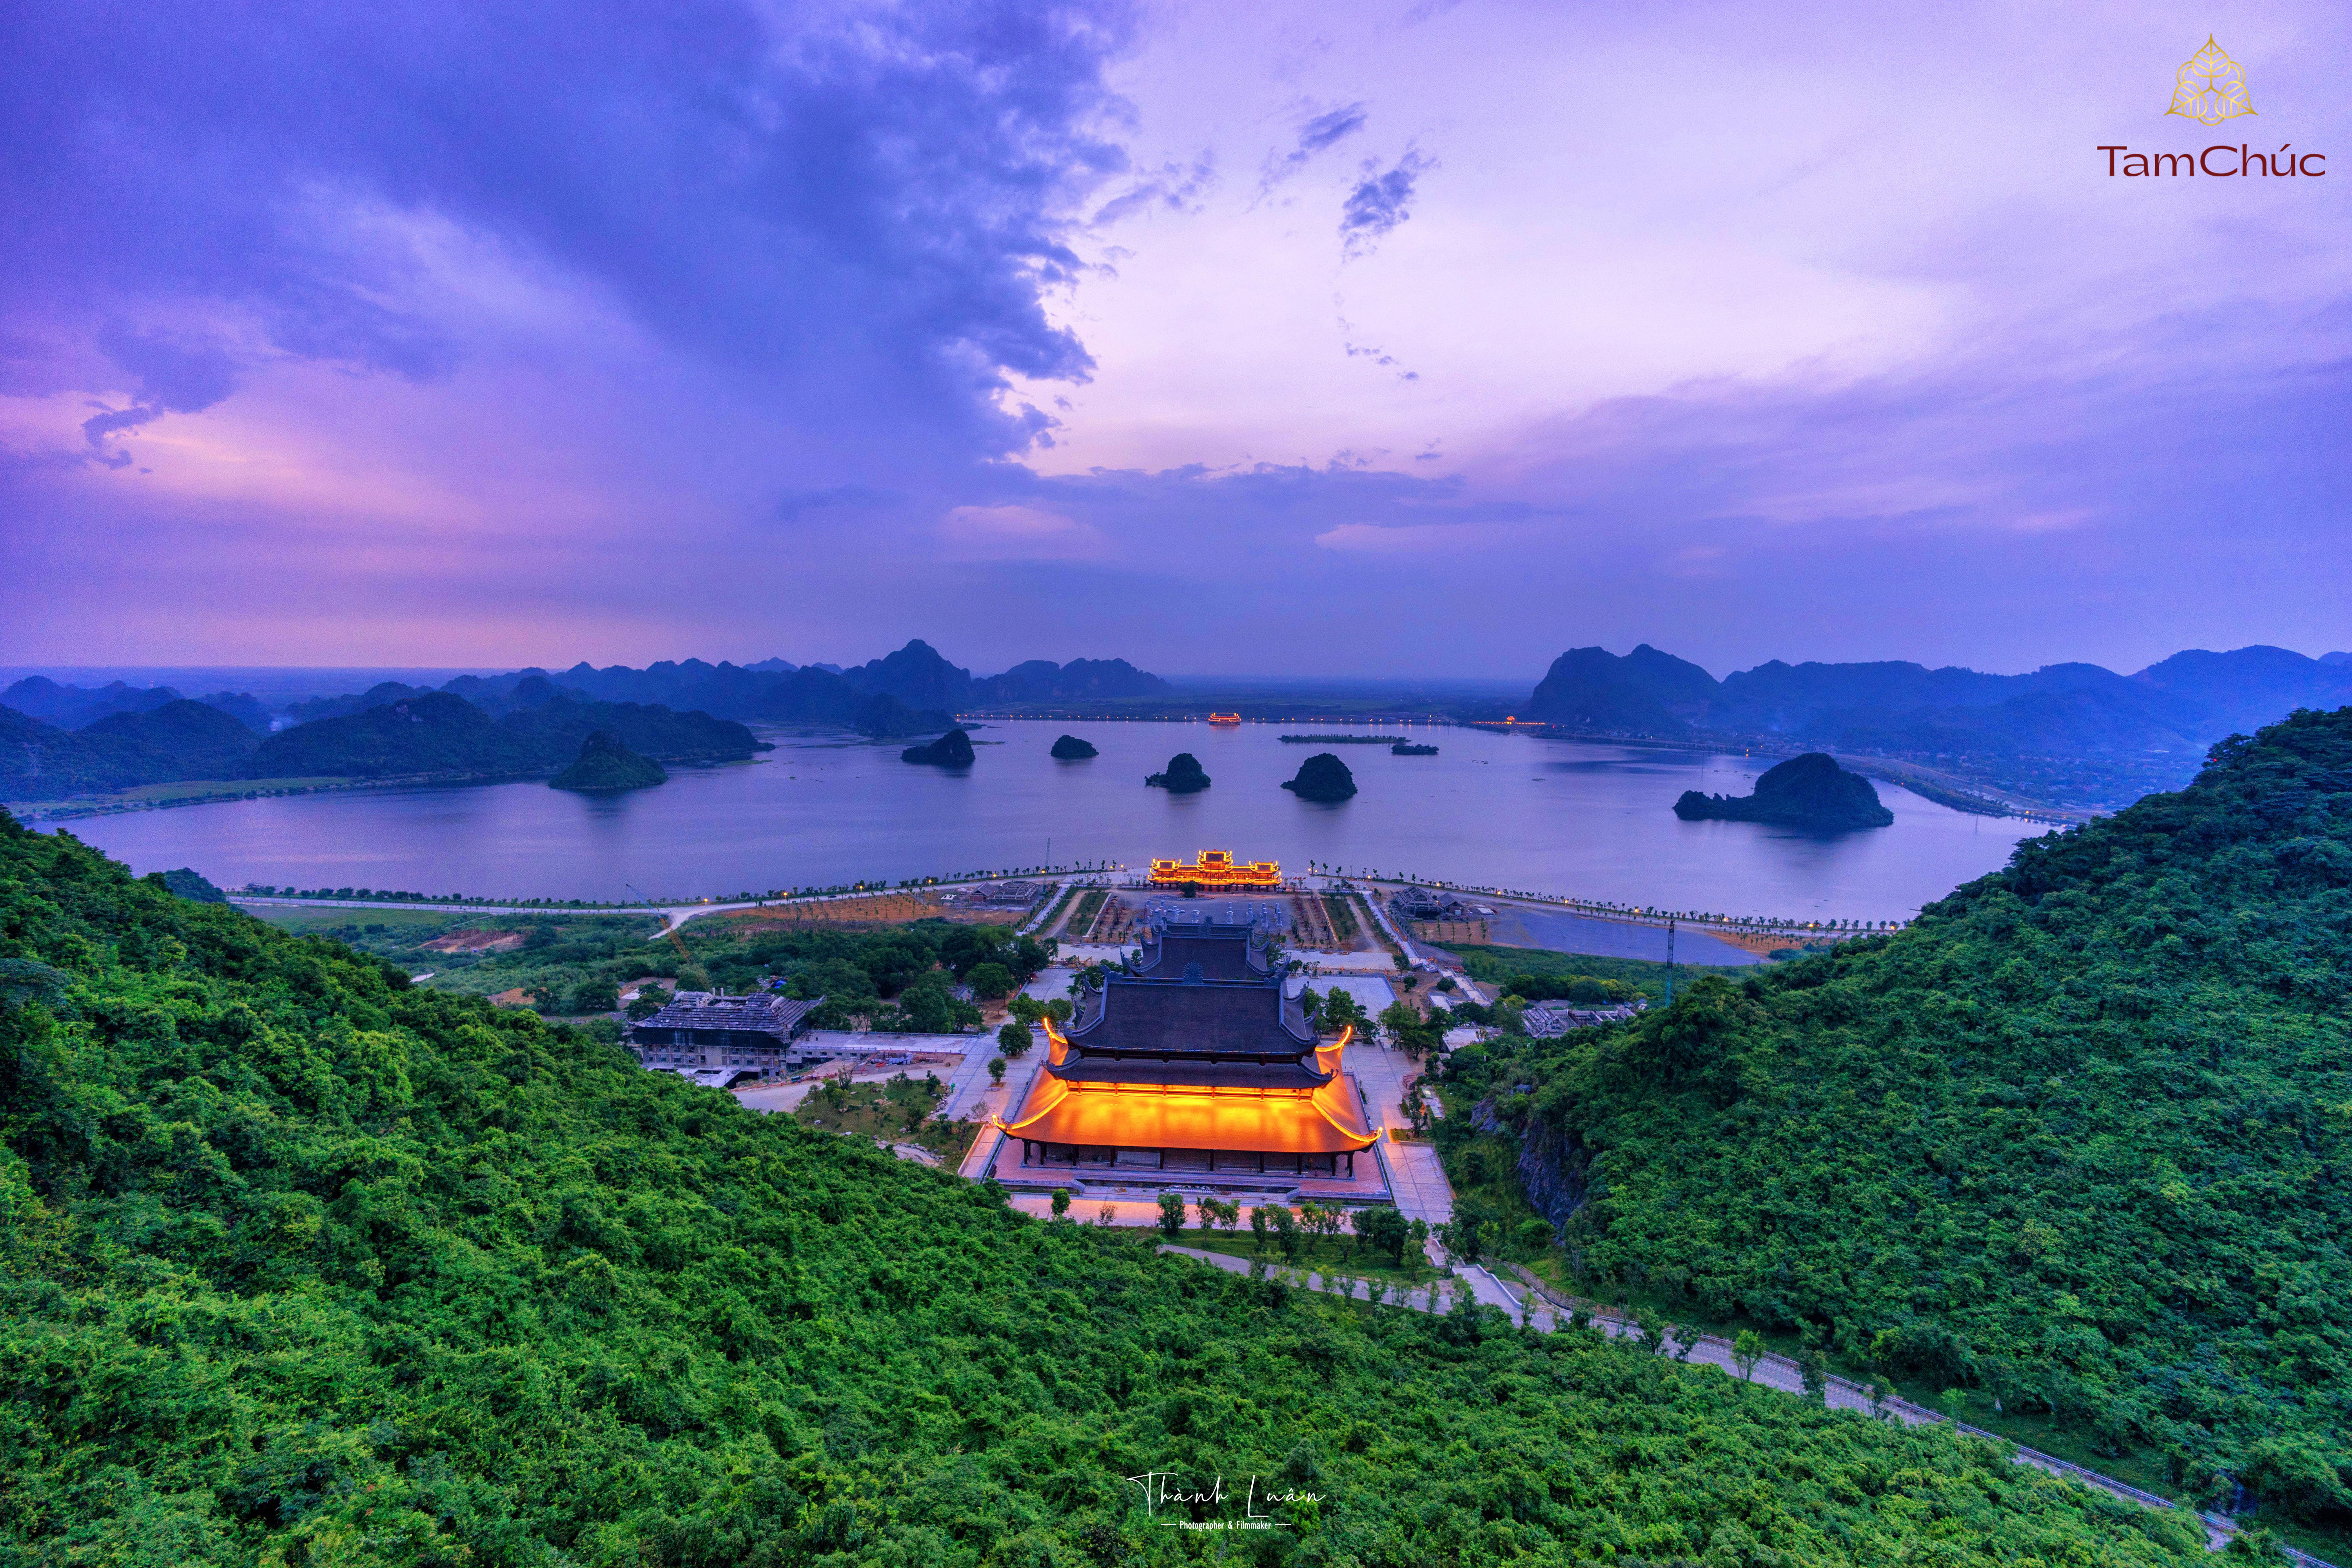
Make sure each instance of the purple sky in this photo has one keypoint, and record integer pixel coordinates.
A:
(1336, 339)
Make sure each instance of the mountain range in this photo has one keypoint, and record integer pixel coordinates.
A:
(2144, 731)
(73, 707)
(58, 741)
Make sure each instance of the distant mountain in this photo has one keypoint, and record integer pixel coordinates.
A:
(77, 707)
(917, 676)
(2147, 730)
(184, 739)
(71, 707)
(2250, 687)
(381, 695)
(180, 739)
(2336, 658)
(442, 733)
(606, 765)
(1645, 691)
(1042, 680)
(914, 692)
(242, 706)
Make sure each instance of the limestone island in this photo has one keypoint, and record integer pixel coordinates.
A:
(1322, 777)
(1070, 748)
(1811, 791)
(605, 765)
(1183, 775)
(1407, 749)
(952, 750)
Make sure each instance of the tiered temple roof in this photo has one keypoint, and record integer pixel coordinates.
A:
(1198, 1050)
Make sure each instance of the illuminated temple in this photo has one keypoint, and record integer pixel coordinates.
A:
(1217, 868)
(1196, 1063)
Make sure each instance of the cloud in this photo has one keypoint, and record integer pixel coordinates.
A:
(1324, 130)
(858, 206)
(1177, 187)
(796, 504)
(1377, 204)
(1421, 537)
(1018, 533)
(107, 421)
(176, 374)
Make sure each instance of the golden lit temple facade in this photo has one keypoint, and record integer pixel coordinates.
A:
(1217, 868)
(1195, 1065)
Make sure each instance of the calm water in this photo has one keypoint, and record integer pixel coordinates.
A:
(1593, 821)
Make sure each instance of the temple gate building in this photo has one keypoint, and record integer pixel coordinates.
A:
(1195, 1064)
(1217, 868)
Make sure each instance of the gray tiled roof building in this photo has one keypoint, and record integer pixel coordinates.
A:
(699, 1030)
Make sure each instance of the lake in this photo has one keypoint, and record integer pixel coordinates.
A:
(1593, 821)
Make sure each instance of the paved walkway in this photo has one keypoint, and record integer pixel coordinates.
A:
(1415, 1178)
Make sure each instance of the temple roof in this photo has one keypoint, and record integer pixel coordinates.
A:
(1222, 951)
(1328, 1121)
(1193, 1031)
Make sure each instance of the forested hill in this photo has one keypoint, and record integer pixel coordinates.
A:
(303, 1266)
(440, 734)
(2081, 1138)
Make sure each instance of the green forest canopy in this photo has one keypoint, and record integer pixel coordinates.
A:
(305, 1265)
(2077, 1137)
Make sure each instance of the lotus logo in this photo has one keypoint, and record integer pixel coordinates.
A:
(2211, 88)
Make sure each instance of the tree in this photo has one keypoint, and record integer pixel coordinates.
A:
(595, 996)
(1171, 1213)
(990, 980)
(649, 1000)
(1404, 965)
(1260, 1222)
(1015, 1038)
(1747, 1349)
(1286, 1233)
(1813, 1370)
(1061, 1203)
(1384, 1230)
(996, 1070)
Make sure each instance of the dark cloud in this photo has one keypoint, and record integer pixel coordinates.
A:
(173, 373)
(1377, 204)
(859, 207)
(1326, 130)
(107, 421)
